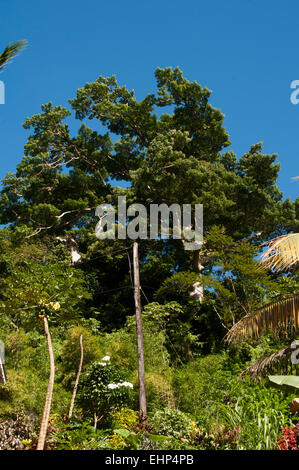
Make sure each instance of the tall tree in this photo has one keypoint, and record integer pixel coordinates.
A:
(168, 147)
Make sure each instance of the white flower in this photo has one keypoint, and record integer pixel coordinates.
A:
(126, 384)
(102, 364)
(112, 386)
(106, 358)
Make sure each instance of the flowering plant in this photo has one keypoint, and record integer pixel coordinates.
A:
(120, 384)
(289, 439)
(103, 390)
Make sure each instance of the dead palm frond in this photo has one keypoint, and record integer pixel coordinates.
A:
(283, 253)
(278, 361)
(282, 312)
(10, 52)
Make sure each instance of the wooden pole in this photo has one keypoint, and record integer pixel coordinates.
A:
(141, 372)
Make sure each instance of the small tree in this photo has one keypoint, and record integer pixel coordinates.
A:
(103, 390)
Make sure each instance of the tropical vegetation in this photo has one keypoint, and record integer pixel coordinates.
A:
(67, 311)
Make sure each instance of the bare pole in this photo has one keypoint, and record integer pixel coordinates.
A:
(141, 372)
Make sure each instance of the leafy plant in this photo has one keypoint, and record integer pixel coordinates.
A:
(78, 436)
(103, 390)
(259, 415)
(285, 381)
(289, 439)
(16, 432)
(125, 418)
(171, 422)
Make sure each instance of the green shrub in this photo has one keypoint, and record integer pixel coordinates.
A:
(103, 389)
(25, 389)
(200, 383)
(171, 422)
(125, 418)
(79, 436)
(70, 353)
(260, 413)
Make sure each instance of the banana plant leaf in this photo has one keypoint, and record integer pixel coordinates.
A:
(133, 437)
(285, 380)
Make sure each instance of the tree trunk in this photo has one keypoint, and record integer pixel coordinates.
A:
(77, 379)
(48, 401)
(95, 422)
(141, 371)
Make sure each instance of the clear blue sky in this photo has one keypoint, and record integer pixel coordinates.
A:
(246, 51)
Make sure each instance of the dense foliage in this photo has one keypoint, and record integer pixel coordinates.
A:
(169, 147)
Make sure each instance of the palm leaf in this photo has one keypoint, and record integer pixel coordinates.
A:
(283, 253)
(281, 312)
(10, 52)
(278, 361)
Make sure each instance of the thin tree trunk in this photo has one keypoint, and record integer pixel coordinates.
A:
(77, 379)
(141, 371)
(95, 422)
(48, 401)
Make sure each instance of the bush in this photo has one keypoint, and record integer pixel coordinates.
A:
(26, 390)
(289, 439)
(125, 418)
(16, 433)
(172, 422)
(159, 392)
(79, 436)
(199, 384)
(260, 413)
(103, 389)
(71, 353)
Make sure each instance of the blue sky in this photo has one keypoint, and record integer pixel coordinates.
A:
(245, 51)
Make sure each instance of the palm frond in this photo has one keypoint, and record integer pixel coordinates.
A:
(283, 253)
(10, 52)
(281, 312)
(278, 361)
